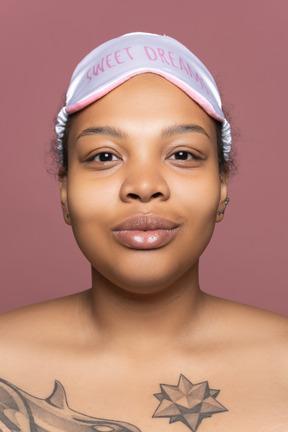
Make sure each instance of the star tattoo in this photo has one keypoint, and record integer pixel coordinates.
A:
(188, 403)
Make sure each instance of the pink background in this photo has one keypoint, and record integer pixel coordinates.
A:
(243, 43)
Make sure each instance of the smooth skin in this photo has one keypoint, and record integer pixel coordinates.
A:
(147, 148)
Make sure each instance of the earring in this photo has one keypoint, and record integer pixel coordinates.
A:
(67, 215)
(226, 202)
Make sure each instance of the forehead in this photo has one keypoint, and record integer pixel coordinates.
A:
(146, 102)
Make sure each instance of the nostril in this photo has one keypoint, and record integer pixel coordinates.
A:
(156, 195)
(133, 196)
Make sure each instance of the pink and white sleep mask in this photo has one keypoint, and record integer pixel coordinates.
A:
(115, 61)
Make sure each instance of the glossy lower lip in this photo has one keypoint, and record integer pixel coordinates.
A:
(151, 239)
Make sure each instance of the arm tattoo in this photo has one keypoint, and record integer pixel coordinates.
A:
(20, 412)
(188, 403)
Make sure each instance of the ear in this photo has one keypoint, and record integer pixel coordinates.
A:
(62, 178)
(223, 196)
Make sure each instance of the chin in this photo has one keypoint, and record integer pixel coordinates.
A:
(137, 280)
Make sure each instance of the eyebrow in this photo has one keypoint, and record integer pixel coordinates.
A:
(104, 130)
(182, 129)
(169, 131)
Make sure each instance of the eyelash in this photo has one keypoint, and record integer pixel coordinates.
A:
(184, 155)
(104, 153)
(184, 152)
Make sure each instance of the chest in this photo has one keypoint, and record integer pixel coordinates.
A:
(130, 403)
(110, 394)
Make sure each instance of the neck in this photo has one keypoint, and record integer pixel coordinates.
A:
(156, 319)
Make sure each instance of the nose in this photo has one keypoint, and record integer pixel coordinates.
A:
(144, 183)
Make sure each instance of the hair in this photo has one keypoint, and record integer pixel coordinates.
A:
(60, 161)
(226, 168)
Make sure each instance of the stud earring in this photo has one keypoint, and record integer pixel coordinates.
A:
(67, 215)
(226, 202)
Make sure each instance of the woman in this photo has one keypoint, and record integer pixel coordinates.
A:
(144, 148)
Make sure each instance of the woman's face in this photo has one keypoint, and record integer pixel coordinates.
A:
(143, 152)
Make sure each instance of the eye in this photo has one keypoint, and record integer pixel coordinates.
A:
(183, 155)
(104, 157)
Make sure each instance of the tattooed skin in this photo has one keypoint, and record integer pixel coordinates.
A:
(188, 403)
(20, 412)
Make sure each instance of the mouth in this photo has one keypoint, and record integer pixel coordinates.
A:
(145, 232)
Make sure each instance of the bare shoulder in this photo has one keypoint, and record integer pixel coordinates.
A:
(43, 323)
(26, 317)
(251, 322)
(40, 340)
(257, 332)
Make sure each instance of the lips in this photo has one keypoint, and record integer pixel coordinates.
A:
(145, 232)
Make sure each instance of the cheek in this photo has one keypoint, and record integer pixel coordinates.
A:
(199, 195)
(90, 206)
(88, 199)
(199, 202)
